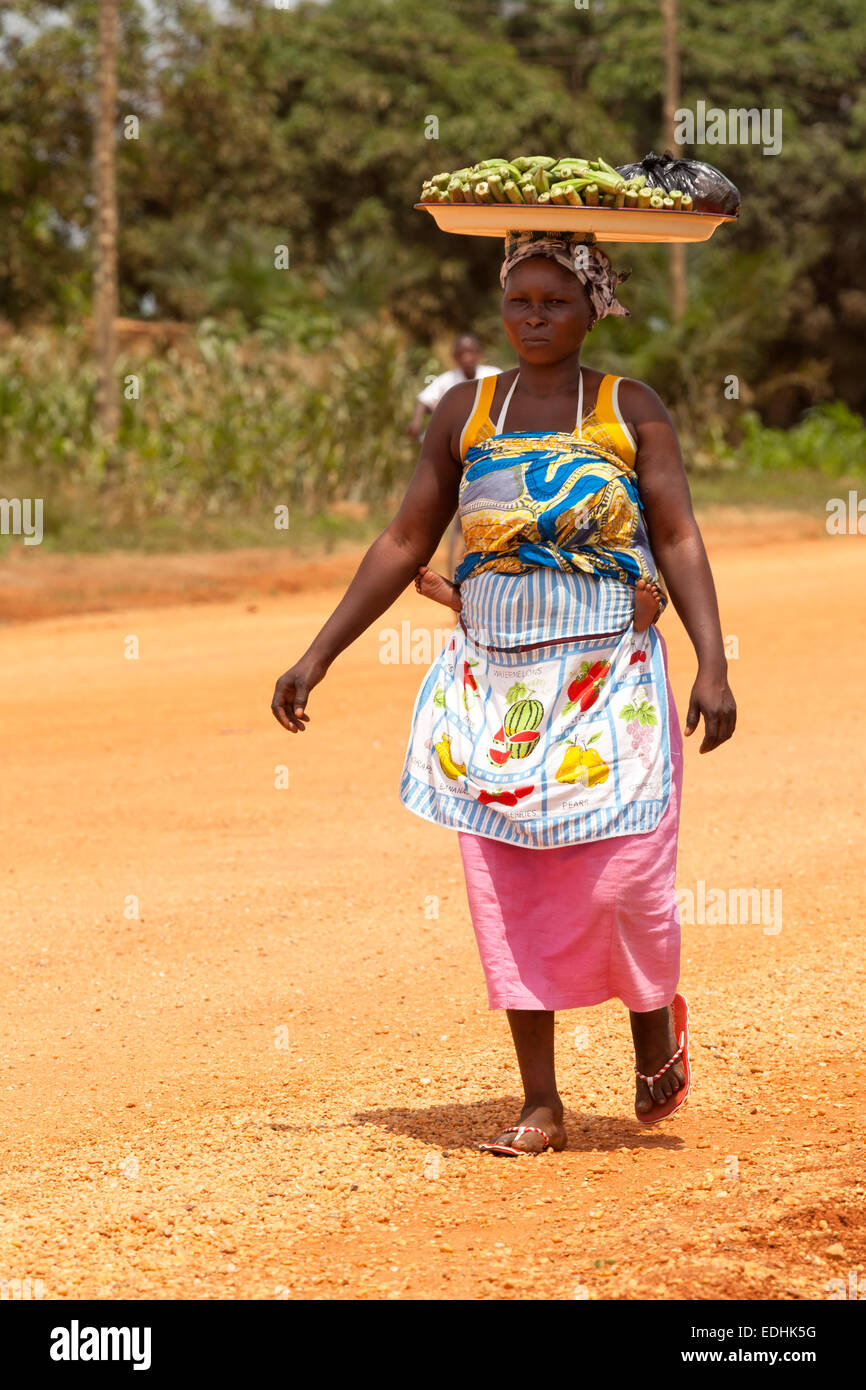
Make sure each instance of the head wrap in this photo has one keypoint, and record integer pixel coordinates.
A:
(577, 252)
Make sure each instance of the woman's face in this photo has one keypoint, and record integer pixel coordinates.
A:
(546, 311)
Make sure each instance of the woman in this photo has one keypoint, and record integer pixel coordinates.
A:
(546, 734)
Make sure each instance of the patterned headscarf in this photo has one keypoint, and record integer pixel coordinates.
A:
(577, 252)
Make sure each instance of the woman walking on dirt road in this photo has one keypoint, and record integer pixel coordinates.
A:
(546, 732)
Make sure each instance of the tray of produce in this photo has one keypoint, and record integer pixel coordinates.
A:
(661, 199)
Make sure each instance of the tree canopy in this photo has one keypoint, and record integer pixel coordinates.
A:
(308, 126)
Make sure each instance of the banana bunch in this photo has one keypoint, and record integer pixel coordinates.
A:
(540, 180)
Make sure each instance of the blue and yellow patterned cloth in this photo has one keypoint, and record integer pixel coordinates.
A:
(554, 500)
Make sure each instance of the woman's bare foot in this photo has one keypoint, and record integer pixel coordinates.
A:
(647, 604)
(655, 1043)
(546, 1117)
(437, 587)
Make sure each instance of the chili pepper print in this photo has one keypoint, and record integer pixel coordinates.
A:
(470, 685)
(504, 798)
(586, 686)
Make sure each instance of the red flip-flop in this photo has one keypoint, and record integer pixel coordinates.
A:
(517, 1130)
(679, 1098)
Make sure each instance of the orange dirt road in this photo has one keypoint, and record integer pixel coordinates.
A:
(243, 1057)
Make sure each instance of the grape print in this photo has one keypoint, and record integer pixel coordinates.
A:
(640, 719)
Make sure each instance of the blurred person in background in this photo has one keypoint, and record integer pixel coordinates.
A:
(468, 367)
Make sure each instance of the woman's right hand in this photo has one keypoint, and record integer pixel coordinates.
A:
(291, 692)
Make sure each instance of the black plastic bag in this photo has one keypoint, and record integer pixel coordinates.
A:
(710, 190)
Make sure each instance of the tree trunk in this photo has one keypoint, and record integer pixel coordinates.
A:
(105, 222)
(678, 283)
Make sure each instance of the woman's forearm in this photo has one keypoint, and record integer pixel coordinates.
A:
(385, 571)
(686, 570)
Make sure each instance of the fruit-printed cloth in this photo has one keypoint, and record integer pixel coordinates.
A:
(566, 742)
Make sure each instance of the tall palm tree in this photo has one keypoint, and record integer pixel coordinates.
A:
(105, 221)
(679, 285)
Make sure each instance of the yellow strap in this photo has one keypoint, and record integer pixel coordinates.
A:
(479, 425)
(606, 411)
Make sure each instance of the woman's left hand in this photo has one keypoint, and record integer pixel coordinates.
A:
(712, 697)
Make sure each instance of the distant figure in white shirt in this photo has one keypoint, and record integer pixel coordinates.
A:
(467, 355)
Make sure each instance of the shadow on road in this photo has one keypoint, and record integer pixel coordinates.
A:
(463, 1126)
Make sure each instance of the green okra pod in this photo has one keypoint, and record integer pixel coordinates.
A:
(526, 162)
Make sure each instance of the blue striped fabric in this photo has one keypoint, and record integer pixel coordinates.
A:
(516, 609)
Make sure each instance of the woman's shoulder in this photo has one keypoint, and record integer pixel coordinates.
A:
(640, 405)
(638, 402)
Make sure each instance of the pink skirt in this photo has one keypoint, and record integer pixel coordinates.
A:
(570, 927)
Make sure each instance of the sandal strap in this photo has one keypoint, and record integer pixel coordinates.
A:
(517, 1130)
(655, 1076)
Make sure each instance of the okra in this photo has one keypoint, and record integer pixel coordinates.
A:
(482, 193)
(529, 191)
(590, 195)
(687, 202)
(631, 198)
(643, 197)
(570, 168)
(531, 161)
(607, 168)
(494, 183)
(676, 197)
(512, 192)
(455, 191)
(541, 180)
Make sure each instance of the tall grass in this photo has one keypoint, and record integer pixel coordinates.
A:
(225, 428)
(221, 425)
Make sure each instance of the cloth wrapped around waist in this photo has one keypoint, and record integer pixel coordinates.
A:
(513, 610)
